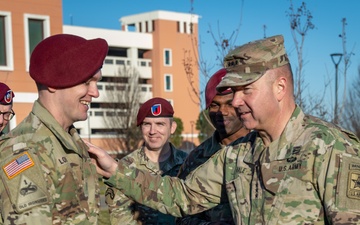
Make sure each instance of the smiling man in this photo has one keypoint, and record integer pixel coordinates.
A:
(157, 156)
(292, 169)
(6, 105)
(47, 176)
(229, 130)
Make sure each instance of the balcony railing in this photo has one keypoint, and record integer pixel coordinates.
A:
(113, 64)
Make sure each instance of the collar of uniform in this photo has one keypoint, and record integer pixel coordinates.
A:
(49, 121)
(176, 158)
(279, 149)
(212, 145)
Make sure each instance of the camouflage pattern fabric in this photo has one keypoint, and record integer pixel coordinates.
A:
(46, 173)
(198, 156)
(310, 175)
(123, 210)
(247, 63)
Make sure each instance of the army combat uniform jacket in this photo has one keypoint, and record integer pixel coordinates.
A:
(123, 210)
(46, 174)
(310, 175)
(198, 156)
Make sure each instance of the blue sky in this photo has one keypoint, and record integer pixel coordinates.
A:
(253, 14)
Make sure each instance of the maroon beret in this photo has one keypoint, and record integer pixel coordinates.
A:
(6, 95)
(65, 60)
(210, 89)
(155, 107)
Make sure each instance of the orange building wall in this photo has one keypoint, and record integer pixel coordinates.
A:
(166, 36)
(18, 79)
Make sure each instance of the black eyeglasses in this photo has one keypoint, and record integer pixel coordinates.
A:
(8, 115)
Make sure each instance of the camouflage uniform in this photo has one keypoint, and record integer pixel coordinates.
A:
(123, 210)
(198, 156)
(310, 175)
(47, 176)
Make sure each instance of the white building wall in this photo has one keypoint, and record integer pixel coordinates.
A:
(116, 38)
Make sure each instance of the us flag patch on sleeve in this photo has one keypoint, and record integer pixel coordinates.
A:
(18, 165)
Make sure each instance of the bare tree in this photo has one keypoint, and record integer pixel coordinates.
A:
(352, 121)
(124, 96)
(194, 60)
(347, 63)
(301, 23)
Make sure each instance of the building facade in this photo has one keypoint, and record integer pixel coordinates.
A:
(147, 54)
(22, 25)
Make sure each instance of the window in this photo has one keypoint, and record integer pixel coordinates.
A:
(109, 88)
(109, 61)
(36, 33)
(37, 28)
(120, 62)
(167, 57)
(99, 113)
(178, 26)
(185, 30)
(6, 49)
(168, 82)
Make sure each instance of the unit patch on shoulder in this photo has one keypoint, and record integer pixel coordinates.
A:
(353, 190)
(18, 165)
(30, 194)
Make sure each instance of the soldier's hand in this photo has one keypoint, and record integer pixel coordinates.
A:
(105, 164)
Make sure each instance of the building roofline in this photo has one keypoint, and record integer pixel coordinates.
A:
(160, 14)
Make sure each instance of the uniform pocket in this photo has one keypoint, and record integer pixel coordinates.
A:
(294, 199)
(237, 191)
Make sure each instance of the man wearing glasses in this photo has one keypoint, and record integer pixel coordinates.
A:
(6, 104)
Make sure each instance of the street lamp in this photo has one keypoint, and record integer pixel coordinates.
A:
(336, 58)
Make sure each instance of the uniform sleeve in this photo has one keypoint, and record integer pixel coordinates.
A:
(24, 193)
(339, 180)
(120, 207)
(171, 195)
(191, 163)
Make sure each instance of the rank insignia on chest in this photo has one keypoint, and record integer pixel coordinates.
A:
(18, 165)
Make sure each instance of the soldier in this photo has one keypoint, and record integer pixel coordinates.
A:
(46, 172)
(157, 156)
(229, 130)
(293, 169)
(6, 104)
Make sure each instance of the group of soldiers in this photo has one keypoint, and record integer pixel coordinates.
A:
(266, 163)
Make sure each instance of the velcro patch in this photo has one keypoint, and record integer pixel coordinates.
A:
(18, 165)
(30, 194)
(353, 190)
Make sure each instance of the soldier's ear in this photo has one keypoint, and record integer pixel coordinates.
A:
(280, 87)
(173, 127)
